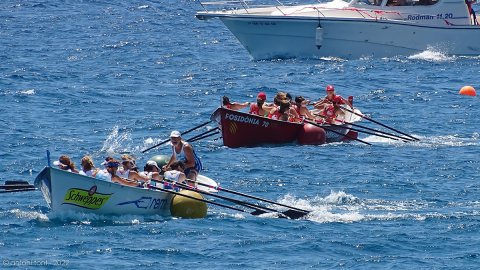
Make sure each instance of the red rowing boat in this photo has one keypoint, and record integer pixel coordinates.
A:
(241, 129)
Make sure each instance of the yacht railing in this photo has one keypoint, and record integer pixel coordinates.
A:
(245, 5)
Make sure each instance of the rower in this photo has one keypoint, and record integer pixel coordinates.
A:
(112, 167)
(331, 97)
(176, 172)
(65, 163)
(233, 105)
(329, 104)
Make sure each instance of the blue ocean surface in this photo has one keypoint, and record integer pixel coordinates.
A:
(109, 77)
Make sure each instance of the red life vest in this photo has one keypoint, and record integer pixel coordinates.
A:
(254, 109)
(329, 113)
(276, 115)
(336, 100)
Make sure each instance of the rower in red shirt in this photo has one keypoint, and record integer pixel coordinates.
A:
(329, 103)
(332, 98)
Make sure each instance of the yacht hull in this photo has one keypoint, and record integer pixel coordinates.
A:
(289, 37)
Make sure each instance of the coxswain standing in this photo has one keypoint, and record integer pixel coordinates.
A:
(330, 103)
(182, 150)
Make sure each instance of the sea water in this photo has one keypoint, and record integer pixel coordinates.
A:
(110, 77)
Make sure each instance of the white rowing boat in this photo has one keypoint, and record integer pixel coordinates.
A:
(65, 191)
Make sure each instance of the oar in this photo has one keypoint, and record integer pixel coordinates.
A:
(255, 213)
(203, 137)
(17, 190)
(371, 129)
(377, 134)
(15, 186)
(248, 196)
(19, 185)
(376, 122)
(290, 213)
(379, 131)
(183, 133)
(195, 138)
(334, 131)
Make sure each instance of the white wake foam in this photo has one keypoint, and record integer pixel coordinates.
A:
(30, 215)
(428, 141)
(433, 55)
(341, 207)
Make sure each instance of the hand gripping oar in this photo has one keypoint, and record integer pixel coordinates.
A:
(183, 133)
(298, 210)
(376, 122)
(334, 131)
(259, 209)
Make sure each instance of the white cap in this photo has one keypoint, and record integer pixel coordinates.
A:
(57, 163)
(175, 134)
(153, 163)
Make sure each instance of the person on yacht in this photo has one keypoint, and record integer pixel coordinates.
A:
(471, 11)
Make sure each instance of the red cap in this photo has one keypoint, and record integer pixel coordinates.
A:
(330, 88)
(262, 96)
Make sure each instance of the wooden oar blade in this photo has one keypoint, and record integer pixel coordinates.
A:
(293, 214)
(17, 190)
(16, 182)
(258, 212)
(16, 185)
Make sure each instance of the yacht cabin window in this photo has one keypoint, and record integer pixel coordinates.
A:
(411, 2)
(370, 2)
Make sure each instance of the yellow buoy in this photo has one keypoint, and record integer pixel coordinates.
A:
(188, 208)
(468, 91)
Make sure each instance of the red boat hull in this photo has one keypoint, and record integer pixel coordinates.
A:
(241, 129)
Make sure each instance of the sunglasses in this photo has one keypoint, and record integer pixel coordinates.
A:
(112, 164)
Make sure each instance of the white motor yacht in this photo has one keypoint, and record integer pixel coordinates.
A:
(350, 29)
